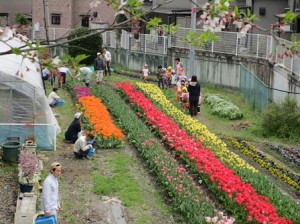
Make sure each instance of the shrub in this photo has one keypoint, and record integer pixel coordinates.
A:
(91, 44)
(223, 107)
(282, 119)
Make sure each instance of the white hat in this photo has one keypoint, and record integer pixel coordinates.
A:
(146, 65)
(77, 115)
(98, 53)
(54, 165)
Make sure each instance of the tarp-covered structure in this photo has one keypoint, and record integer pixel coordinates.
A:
(24, 108)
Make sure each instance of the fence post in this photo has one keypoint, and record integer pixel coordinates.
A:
(212, 47)
(164, 52)
(257, 46)
(145, 39)
(237, 44)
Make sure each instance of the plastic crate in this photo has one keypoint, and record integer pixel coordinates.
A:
(46, 220)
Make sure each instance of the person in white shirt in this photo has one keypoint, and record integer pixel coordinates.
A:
(86, 71)
(83, 145)
(53, 97)
(145, 72)
(63, 72)
(107, 56)
(50, 193)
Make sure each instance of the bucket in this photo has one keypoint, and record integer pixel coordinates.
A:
(60, 103)
(26, 187)
(91, 152)
(10, 151)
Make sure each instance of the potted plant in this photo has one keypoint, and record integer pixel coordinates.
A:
(30, 143)
(30, 166)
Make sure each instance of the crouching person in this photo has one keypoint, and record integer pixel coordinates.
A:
(83, 145)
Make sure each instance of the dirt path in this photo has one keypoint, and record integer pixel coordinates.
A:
(8, 193)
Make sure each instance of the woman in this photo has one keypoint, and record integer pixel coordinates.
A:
(194, 93)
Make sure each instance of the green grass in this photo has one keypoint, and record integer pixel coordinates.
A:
(120, 182)
(9, 168)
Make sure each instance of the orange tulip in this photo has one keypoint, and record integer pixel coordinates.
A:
(99, 117)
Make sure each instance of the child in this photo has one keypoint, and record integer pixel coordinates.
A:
(169, 74)
(145, 72)
(165, 79)
(173, 79)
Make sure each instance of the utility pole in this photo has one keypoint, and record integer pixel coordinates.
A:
(46, 19)
(193, 29)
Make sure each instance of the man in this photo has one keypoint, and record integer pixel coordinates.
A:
(107, 56)
(83, 145)
(99, 68)
(53, 98)
(74, 128)
(50, 194)
(86, 71)
(63, 72)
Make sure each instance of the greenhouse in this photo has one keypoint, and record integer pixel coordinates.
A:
(24, 109)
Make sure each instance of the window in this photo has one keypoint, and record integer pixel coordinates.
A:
(55, 19)
(85, 21)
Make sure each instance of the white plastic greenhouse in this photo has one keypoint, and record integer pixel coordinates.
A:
(24, 109)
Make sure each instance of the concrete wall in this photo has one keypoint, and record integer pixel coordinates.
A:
(219, 69)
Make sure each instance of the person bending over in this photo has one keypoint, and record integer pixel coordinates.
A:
(83, 145)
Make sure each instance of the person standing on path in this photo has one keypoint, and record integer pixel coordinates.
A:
(107, 56)
(50, 194)
(99, 68)
(194, 94)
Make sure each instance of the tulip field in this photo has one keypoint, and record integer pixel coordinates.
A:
(207, 182)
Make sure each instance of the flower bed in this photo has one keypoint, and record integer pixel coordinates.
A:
(223, 108)
(195, 128)
(97, 118)
(265, 161)
(291, 154)
(262, 185)
(187, 196)
(240, 197)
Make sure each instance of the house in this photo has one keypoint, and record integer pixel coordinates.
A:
(8, 10)
(69, 14)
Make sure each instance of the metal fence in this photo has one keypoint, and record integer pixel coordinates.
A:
(254, 90)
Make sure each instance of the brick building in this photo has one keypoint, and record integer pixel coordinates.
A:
(69, 14)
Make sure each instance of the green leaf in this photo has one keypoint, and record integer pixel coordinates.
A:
(289, 17)
(16, 51)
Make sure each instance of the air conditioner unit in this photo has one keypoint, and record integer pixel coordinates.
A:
(286, 28)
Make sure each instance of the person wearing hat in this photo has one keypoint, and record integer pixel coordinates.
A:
(145, 72)
(64, 70)
(83, 145)
(53, 97)
(50, 193)
(74, 129)
(99, 67)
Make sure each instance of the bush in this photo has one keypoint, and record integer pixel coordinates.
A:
(223, 108)
(282, 119)
(91, 44)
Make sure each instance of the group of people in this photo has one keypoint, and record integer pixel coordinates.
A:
(102, 65)
(187, 90)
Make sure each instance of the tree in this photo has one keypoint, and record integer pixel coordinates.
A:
(21, 19)
(88, 45)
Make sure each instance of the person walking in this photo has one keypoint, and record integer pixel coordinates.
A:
(107, 56)
(99, 68)
(194, 90)
(50, 193)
